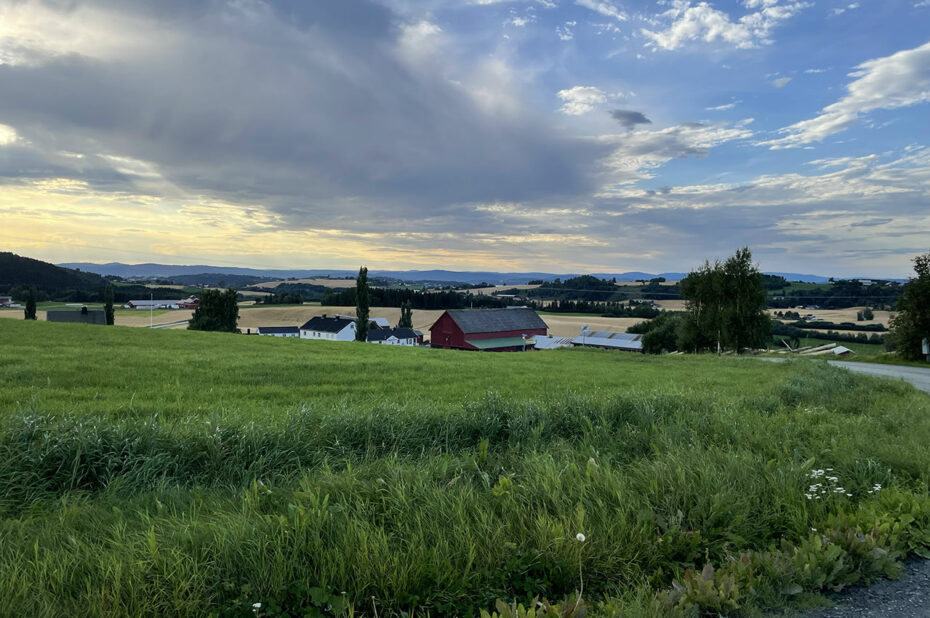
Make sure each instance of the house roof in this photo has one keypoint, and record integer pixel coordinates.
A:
(272, 330)
(496, 320)
(327, 325)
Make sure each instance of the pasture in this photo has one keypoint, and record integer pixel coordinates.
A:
(190, 473)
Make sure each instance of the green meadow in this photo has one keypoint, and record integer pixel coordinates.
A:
(153, 473)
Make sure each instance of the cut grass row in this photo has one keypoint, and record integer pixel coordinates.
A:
(153, 473)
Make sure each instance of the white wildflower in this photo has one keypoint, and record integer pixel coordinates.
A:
(580, 537)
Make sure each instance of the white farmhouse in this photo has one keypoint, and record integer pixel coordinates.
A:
(335, 328)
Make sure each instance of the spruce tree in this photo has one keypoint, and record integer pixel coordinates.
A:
(362, 295)
(406, 315)
(108, 304)
(31, 304)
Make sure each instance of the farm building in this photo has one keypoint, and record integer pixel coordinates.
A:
(499, 330)
(551, 343)
(83, 316)
(278, 331)
(610, 340)
(393, 336)
(154, 304)
(334, 328)
(6, 301)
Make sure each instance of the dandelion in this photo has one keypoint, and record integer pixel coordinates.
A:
(580, 537)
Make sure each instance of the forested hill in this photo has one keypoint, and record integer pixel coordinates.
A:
(18, 274)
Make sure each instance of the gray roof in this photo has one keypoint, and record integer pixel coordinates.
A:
(607, 339)
(496, 320)
(85, 317)
(272, 330)
(327, 325)
(382, 334)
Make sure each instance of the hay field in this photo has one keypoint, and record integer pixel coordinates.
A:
(500, 288)
(570, 325)
(329, 283)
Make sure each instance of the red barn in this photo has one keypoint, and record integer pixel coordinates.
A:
(498, 330)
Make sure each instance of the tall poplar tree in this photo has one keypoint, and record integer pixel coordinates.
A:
(406, 315)
(361, 305)
(108, 304)
(31, 304)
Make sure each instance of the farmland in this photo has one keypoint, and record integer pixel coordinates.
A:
(190, 473)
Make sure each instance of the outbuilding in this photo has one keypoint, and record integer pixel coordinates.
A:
(83, 316)
(393, 336)
(498, 330)
(278, 331)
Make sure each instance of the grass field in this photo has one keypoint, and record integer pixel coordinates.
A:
(189, 473)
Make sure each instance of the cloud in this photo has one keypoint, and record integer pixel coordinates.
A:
(781, 82)
(629, 118)
(565, 32)
(899, 80)
(332, 115)
(702, 22)
(580, 100)
(7, 135)
(724, 107)
(604, 8)
(875, 221)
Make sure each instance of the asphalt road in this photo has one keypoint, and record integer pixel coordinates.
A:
(905, 597)
(918, 376)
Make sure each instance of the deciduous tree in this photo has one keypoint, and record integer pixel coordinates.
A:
(725, 306)
(218, 310)
(912, 322)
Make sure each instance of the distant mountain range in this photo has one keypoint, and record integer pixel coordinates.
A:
(451, 276)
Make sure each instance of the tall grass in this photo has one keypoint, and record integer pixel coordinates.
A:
(407, 502)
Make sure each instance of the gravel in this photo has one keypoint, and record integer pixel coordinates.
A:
(905, 597)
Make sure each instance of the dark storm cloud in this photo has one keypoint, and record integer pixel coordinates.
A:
(629, 118)
(308, 108)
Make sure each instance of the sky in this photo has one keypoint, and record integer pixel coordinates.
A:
(535, 135)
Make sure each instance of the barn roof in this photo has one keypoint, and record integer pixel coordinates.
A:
(327, 325)
(496, 320)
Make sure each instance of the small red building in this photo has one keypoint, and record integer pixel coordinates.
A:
(498, 330)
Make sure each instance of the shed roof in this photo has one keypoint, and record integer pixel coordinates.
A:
(276, 330)
(499, 342)
(607, 339)
(496, 320)
(382, 334)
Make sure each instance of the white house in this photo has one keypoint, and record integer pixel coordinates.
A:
(393, 336)
(335, 328)
(278, 331)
